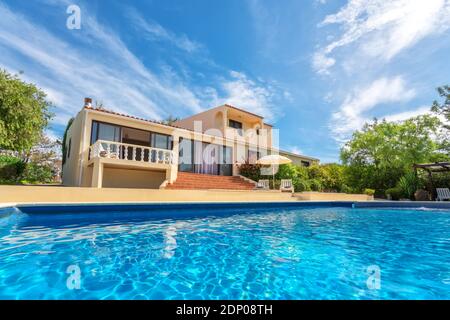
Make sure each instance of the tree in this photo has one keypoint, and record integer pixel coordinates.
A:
(443, 109)
(382, 152)
(24, 113)
(43, 161)
(170, 120)
(330, 176)
(64, 141)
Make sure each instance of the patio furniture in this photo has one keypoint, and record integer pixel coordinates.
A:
(263, 184)
(273, 160)
(286, 185)
(433, 168)
(104, 153)
(442, 194)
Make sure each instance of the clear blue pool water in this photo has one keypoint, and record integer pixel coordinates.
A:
(272, 253)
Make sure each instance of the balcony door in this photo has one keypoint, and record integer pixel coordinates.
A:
(135, 137)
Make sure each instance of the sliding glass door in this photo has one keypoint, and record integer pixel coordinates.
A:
(226, 163)
(204, 158)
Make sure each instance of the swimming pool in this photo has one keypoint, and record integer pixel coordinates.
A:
(276, 251)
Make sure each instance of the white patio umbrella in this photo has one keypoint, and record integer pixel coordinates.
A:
(272, 160)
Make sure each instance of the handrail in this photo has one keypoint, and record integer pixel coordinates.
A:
(120, 150)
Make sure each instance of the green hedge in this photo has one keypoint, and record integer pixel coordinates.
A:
(395, 193)
(14, 170)
(37, 173)
(11, 168)
(326, 177)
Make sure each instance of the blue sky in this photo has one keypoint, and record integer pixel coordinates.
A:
(317, 69)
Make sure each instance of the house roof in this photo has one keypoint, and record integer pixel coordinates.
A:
(132, 117)
(298, 155)
(242, 110)
(101, 109)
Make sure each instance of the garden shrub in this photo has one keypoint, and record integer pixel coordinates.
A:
(441, 180)
(251, 171)
(11, 168)
(394, 193)
(37, 173)
(409, 184)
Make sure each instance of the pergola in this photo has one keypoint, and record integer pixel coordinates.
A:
(431, 168)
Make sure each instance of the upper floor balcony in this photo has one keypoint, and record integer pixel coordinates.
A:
(125, 153)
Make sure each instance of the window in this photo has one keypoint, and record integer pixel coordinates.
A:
(161, 141)
(234, 124)
(186, 152)
(104, 131)
(305, 163)
(226, 162)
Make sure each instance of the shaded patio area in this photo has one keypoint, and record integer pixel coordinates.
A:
(431, 168)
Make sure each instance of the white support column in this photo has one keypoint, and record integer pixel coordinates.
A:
(97, 174)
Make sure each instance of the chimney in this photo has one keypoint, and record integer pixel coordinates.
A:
(88, 102)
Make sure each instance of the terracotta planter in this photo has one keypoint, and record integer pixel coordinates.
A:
(421, 195)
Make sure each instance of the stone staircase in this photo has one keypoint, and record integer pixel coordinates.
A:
(187, 180)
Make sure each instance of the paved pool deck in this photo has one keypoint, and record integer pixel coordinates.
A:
(60, 194)
(11, 196)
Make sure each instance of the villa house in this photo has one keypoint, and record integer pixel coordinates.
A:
(109, 149)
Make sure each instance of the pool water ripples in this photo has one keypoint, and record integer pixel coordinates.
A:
(276, 253)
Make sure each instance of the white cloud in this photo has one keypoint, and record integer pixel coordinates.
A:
(244, 93)
(154, 31)
(105, 69)
(52, 135)
(295, 149)
(408, 114)
(320, 1)
(322, 63)
(354, 112)
(382, 29)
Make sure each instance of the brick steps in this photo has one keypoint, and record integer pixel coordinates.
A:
(205, 181)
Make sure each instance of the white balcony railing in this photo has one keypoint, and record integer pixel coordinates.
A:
(130, 152)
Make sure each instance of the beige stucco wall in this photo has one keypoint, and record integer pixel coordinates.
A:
(86, 172)
(78, 171)
(50, 194)
(125, 178)
(215, 122)
(207, 118)
(324, 196)
(71, 167)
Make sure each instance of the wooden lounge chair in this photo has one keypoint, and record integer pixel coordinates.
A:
(442, 194)
(286, 185)
(263, 184)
